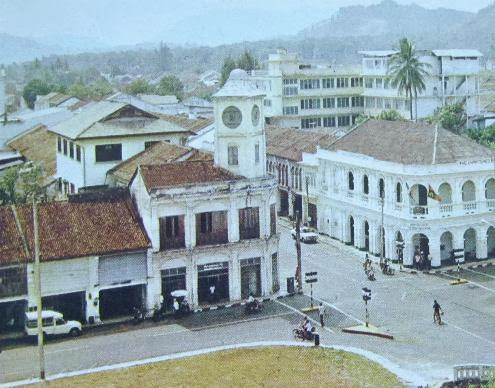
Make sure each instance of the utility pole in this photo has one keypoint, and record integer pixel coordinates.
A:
(37, 274)
(381, 233)
(298, 252)
(307, 198)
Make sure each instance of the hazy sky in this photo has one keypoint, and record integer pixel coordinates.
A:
(117, 22)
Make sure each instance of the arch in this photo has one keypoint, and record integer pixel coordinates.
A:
(398, 192)
(490, 189)
(490, 242)
(286, 176)
(366, 236)
(446, 246)
(421, 243)
(418, 195)
(445, 191)
(381, 188)
(350, 181)
(351, 230)
(470, 244)
(468, 191)
(366, 185)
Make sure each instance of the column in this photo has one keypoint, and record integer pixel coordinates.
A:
(190, 227)
(92, 292)
(458, 242)
(358, 232)
(233, 220)
(192, 279)
(408, 252)
(481, 243)
(234, 276)
(434, 245)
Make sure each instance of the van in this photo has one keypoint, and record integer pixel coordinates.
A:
(53, 324)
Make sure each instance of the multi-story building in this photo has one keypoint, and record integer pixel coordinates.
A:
(212, 223)
(435, 189)
(328, 96)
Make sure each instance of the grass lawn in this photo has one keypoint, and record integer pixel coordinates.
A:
(269, 367)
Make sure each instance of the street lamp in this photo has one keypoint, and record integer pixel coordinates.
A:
(366, 297)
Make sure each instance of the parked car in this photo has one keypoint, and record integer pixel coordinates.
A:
(307, 235)
(53, 324)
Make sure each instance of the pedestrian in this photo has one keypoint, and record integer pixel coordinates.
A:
(176, 307)
(437, 311)
(421, 261)
(416, 260)
(321, 311)
(428, 262)
(212, 293)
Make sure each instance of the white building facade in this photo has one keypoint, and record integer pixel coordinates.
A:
(438, 199)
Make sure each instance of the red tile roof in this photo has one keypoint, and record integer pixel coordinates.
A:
(184, 173)
(73, 229)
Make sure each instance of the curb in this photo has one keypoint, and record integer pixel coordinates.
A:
(237, 304)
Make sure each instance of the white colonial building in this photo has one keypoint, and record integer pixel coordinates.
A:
(302, 95)
(213, 223)
(437, 191)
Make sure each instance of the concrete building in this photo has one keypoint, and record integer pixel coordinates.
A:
(438, 191)
(306, 96)
(212, 224)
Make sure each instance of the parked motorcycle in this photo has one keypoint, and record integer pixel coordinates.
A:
(387, 269)
(253, 307)
(158, 314)
(138, 315)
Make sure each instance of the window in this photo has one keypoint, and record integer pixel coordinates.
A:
(310, 103)
(273, 220)
(370, 102)
(290, 81)
(398, 193)
(342, 102)
(313, 122)
(267, 102)
(233, 156)
(366, 186)
(379, 103)
(357, 101)
(71, 150)
(249, 223)
(290, 91)
(72, 188)
(206, 223)
(148, 144)
(328, 83)
(342, 82)
(386, 83)
(59, 144)
(356, 82)
(329, 102)
(172, 232)
(78, 153)
(350, 181)
(291, 110)
(329, 122)
(256, 153)
(309, 84)
(387, 103)
(211, 228)
(379, 83)
(344, 121)
(65, 147)
(108, 152)
(381, 188)
(369, 83)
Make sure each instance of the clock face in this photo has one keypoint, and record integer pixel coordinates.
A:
(232, 117)
(255, 115)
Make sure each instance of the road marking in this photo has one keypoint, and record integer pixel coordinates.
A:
(304, 315)
(470, 281)
(468, 332)
(481, 273)
(339, 310)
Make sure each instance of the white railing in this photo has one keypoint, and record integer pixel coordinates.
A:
(418, 210)
(447, 208)
(490, 203)
(482, 372)
(364, 197)
(468, 206)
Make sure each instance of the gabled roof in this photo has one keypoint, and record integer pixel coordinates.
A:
(194, 125)
(290, 143)
(457, 53)
(37, 145)
(409, 143)
(184, 173)
(72, 229)
(159, 153)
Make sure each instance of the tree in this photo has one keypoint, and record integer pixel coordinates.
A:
(390, 115)
(164, 57)
(484, 136)
(35, 87)
(452, 117)
(171, 85)
(407, 73)
(139, 86)
(18, 184)
(229, 64)
(246, 62)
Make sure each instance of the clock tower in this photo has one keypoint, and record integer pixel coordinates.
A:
(240, 144)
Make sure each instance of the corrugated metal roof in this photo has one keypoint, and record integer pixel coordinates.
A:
(457, 53)
(378, 53)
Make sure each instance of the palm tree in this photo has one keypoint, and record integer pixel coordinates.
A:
(407, 73)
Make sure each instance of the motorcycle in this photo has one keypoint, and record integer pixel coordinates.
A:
(253, 307)
(387, 269)
(301, 335)
(370, 273)
(158, 314)
(138, 315)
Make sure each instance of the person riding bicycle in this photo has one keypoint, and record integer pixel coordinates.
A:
(307, 328)
(437, 311)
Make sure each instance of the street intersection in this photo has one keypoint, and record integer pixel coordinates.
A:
(401, 305)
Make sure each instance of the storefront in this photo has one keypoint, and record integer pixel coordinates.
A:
(250, 277)
(172, 279)
(71, 305)
(213, 277)
(120, 301)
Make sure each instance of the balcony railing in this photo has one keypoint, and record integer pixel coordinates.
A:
(469, 206)
(448, 208)
(418, 210)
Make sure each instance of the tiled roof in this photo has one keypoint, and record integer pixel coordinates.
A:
(194, 125)
(405, 142)
(159, 153)
(11, 246)
(37, 145)
(73, 229)
(184, 173)
(289, 143)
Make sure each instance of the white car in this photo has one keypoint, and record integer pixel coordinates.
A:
(53, 324)
(306, 235)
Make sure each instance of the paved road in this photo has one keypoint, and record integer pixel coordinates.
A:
(401, 304)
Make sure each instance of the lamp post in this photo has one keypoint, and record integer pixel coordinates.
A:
(381, 230)
(366, 298)
(298, 252)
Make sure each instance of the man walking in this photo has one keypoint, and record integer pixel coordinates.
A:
(321, 311)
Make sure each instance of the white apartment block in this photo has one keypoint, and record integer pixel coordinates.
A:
(305, 96)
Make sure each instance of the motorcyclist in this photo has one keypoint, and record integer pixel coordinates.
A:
(307, 328)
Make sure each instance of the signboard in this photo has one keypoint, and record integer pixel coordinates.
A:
(311, 277)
